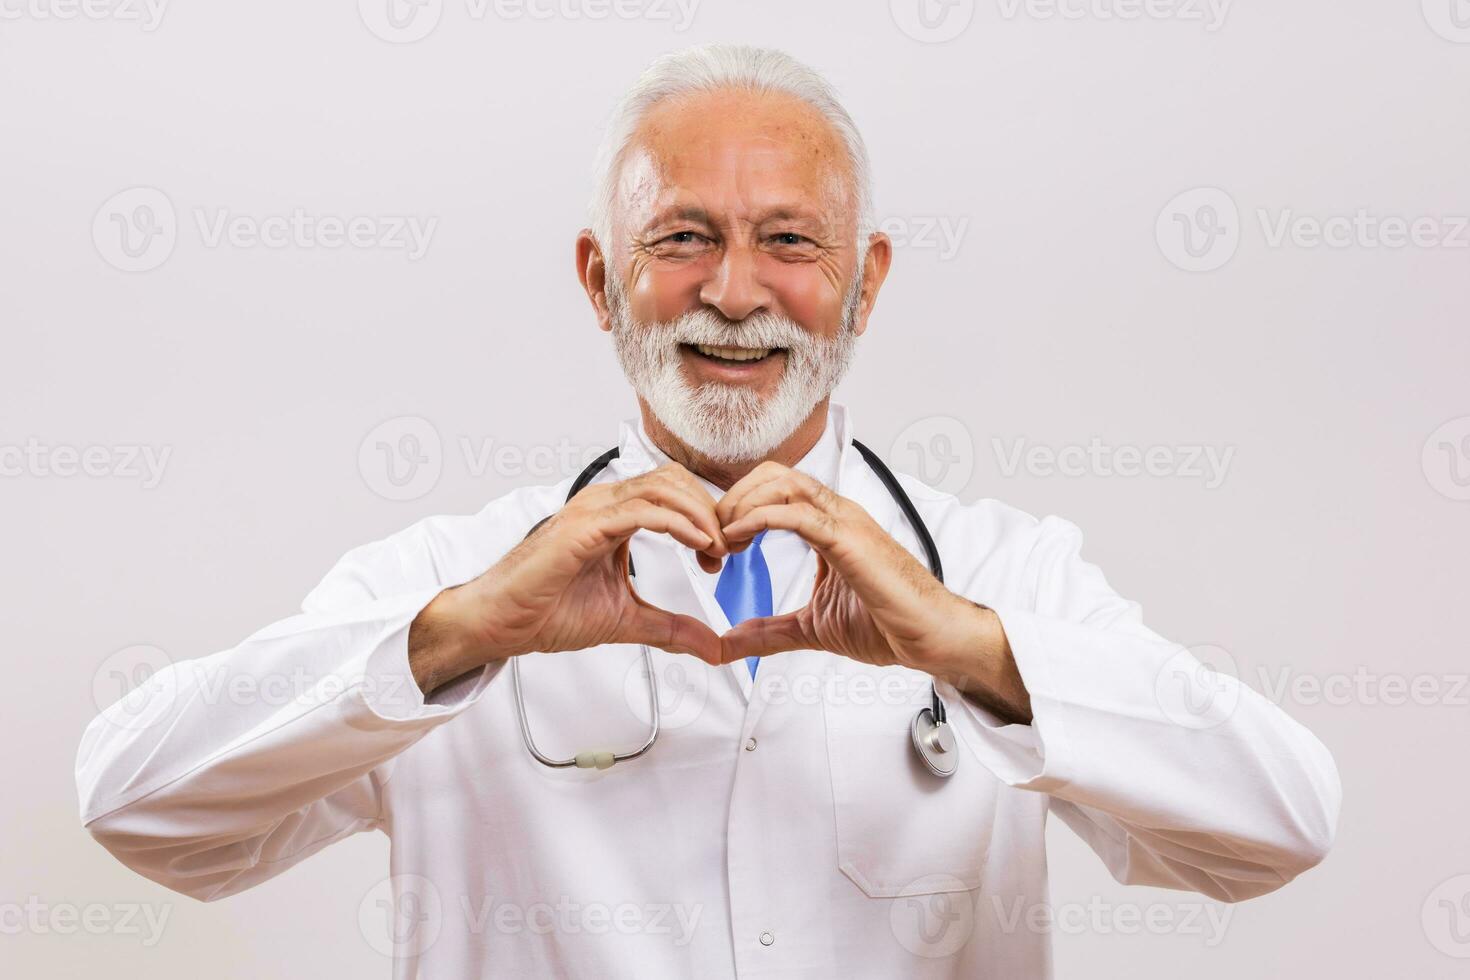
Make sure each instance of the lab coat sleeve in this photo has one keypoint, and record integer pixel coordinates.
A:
(1175, 775)
(223, 771)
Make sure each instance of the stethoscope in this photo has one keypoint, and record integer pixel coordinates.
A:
(933, 740)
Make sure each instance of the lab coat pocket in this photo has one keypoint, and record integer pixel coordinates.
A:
(901, 830)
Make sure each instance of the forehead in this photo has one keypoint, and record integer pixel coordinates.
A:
(735, 154)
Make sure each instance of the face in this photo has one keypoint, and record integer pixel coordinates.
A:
(734, 290)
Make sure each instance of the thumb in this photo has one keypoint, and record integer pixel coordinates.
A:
(673, 632)
(763, 635)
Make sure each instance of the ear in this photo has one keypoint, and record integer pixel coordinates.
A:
(592, 272)
(875, 270)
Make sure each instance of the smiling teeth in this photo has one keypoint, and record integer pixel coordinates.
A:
(733, 353)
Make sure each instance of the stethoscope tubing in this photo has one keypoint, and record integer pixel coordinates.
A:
(605, 759)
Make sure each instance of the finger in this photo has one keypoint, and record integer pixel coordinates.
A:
(763, 473)
(683, 487)
(677, 488)
(765, 635)
(636, 514)
(792, 488)
(673, 632)
(816, 527)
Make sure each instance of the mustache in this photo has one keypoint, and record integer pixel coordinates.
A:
(758, 330)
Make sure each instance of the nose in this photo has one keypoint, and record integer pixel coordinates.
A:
(735, 288)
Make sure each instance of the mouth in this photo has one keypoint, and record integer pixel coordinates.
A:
(733, 363)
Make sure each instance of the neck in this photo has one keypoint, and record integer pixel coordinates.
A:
(726, 475)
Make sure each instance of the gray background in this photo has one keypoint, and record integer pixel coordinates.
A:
(1335, 375)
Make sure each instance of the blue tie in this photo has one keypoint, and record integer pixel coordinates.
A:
(744, 589)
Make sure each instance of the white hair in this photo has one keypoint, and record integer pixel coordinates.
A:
(708, 68)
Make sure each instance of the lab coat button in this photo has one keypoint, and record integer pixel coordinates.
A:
(767, 939)
(750, 747)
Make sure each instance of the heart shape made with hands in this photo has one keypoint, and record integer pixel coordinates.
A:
(871, 600)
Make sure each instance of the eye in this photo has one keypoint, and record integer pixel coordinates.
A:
(680, 238)
(789, 238)
(684, 244)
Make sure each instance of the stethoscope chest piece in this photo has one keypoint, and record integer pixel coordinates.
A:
(935, 743)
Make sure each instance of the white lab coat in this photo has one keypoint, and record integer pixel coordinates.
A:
(780, 830)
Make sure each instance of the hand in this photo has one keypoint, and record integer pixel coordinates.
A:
(872, 601)
(566, 586)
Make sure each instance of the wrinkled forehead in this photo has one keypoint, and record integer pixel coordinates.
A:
(737, 157)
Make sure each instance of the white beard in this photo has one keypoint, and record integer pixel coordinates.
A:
(730, 423)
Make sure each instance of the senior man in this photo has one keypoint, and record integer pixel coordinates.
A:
(785, 822)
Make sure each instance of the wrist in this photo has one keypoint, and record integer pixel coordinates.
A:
(441, 643)
(973, 642)
(979, 663)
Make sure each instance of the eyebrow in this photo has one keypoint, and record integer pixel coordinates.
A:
(697, 214)
(681, 212)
